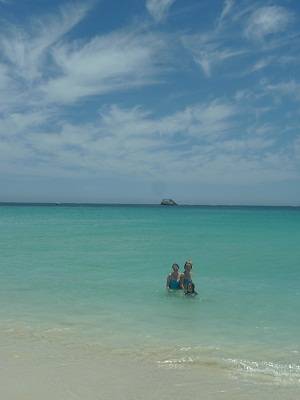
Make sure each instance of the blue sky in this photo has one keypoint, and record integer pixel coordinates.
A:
(133, 100)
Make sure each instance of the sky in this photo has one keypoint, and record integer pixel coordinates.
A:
(131, 101)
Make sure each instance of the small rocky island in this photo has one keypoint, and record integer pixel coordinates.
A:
(168, 202)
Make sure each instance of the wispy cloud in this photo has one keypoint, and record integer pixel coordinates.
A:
(228, 38)
(209, 51)
(198, 143)
(214, 47)
(297, 148)
(43, 66)
(116, 61)
(201, 120)
(289, 88)
(227, 7)
(159, 8)
(268, 20)
(26, 50)
(198, 121)
(121, 140)
(261, 64)
(4, 78)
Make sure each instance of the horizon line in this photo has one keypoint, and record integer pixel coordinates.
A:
(54, 203)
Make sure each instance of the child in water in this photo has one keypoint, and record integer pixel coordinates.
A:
(190, 290)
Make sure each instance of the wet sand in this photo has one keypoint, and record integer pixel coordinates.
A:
(35, 370)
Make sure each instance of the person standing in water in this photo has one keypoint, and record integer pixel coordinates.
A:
(173, 279)
(186, 276)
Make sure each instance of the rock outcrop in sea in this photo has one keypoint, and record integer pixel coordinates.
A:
(168, 202)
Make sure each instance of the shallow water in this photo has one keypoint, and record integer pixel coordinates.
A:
(95, 276)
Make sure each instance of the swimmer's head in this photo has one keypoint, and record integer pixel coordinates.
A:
(190, 288)
(188, 265)
(175, 267)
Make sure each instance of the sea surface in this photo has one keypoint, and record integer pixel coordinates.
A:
(94, 276)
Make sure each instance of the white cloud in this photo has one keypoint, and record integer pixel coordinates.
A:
(227, 7)
(268, 20)
(198, 143)
(120, 141)
(9, 93)
(213, 48)
(209, 51)
(288, 88)
(211, 57)
(117, 61)
(297, 148)
(20, 122)
(262, 63)
(159, 8)
(228, 4)
(199, 121)
(41, 66)
(43, 70)
(26, 50)
(4, 78)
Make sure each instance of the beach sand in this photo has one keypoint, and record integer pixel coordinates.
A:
(36, 369)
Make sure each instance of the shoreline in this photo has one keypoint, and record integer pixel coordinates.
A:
(52, 371)
(50, 368)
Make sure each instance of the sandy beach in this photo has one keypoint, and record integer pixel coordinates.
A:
(36, 368)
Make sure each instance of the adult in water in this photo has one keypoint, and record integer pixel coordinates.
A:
(186, 276)
(173, 279)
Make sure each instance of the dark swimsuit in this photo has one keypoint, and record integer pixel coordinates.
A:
(186, 281)
(174, 284)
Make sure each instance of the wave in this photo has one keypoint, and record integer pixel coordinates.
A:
(273, 371)
(283, 372)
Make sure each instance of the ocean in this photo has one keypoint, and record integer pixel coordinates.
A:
(90, 280)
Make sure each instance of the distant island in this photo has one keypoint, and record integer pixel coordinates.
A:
(168, 202)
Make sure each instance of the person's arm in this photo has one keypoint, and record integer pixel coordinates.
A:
(181, 279)
(168, 281)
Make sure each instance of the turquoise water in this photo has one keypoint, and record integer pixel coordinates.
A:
(97, 275)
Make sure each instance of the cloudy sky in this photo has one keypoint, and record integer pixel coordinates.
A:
(135, 100)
